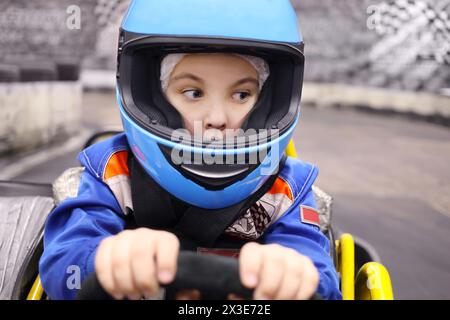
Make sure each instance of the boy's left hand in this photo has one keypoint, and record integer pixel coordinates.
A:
(277, 272)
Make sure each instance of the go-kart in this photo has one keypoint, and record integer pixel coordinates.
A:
(25, 206)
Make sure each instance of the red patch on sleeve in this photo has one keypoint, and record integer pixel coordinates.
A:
(309, 215)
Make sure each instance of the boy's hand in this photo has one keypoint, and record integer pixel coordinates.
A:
(134, 262)
(276, 272)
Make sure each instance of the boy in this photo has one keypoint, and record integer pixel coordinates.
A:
(144, 194)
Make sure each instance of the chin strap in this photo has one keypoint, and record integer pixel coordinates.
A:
(155, 208)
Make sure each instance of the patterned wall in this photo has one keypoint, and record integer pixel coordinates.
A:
(397, 44)
(401, 44)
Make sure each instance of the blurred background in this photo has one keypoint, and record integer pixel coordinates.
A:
(375, 113)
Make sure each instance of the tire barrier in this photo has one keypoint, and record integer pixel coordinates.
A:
(9, 73)
(34, 71)
(68, 70)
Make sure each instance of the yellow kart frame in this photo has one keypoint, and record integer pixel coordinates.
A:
(372, 282)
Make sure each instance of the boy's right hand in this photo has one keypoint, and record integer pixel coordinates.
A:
(132, 263)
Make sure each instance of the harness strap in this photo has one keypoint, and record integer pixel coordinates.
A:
(154, 208)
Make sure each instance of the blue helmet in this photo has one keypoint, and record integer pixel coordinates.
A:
(151, 29)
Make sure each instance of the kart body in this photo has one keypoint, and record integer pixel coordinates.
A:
(24, 208)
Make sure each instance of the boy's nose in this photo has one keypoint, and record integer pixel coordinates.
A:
(218, 126)
(216, 119)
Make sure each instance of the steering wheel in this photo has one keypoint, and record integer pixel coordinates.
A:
(214, 276)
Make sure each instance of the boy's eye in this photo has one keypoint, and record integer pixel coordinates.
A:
(193, 94)
(241, 96)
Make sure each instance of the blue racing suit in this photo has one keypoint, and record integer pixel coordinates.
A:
(75, 228)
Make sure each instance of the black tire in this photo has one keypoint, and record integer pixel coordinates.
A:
(23, 189)
(38, 71)
(99, 136)
(68, 70)
(9, 73)
(21, 228)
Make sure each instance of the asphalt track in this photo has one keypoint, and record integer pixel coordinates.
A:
(390, 179)
(389, 176)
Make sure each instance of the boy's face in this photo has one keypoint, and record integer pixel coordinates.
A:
(216, 90)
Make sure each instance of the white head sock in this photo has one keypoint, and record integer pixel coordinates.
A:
(170, 61)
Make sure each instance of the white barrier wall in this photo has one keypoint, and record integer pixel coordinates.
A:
(32, 114)
(419, 103)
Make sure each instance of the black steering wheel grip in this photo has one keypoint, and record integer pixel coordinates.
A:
(214, 276)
